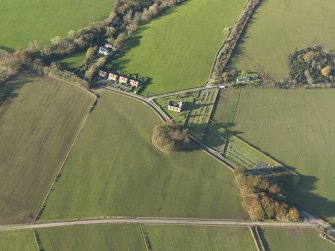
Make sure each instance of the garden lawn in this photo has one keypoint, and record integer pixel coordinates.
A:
(39, 119)
(177, 50)
(297, 128)
(24, 21)
(166, 238)
(281, 26)
(18, 240)
(278, 239)
(113, 170)
(92, 237)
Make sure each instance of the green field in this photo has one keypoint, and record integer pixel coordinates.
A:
(178, 49)
(113, 170)
(226, 107)
(20, 240)
(24, 21)
(39, 119)
(278, 239)
(92, 237)
(296, 127)
(281, 26)
(166, 238)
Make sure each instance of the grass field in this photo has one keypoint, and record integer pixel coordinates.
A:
(296, 127)
(178, 49)
(25, 21)
(20, 240)
(114, 170)
(39, 119)
(278, 239)
(226, 107)
(281, 26)
(166, 238)
(93, 237)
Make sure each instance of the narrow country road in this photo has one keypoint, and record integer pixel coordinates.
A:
(155, 221)
(169, 94)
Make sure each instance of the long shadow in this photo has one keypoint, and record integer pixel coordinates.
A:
(304, 197)
(299, 189)
(6, 48)
(8, 91)
(239, 50)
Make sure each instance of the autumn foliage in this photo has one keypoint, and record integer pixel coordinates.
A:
(263, 199)
(170, 137)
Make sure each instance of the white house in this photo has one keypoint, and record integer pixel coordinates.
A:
(134, 83)
(123, 80)
(104, 51)
(243, 80)
(175, 106)
(112, 77)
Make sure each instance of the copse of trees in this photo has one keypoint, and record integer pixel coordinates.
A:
(170, 137)
(13, 63)
(312, 65)
(263, 199)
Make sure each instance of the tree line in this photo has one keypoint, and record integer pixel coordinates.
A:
(232, 39)
(121, 23)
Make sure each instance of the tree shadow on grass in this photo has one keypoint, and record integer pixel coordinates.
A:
(7, 48)
(8, 91)
(305, 197)
(239, 51)
(299, 189)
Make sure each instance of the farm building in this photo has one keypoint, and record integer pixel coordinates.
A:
(134, 83)
(123, 80)
(175, 106)
(102, 74)
(112, 77)
(104, 51)
(243, 80)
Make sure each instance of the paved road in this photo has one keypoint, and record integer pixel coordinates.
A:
(317, 221)
(181, 91)
(154, 221)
